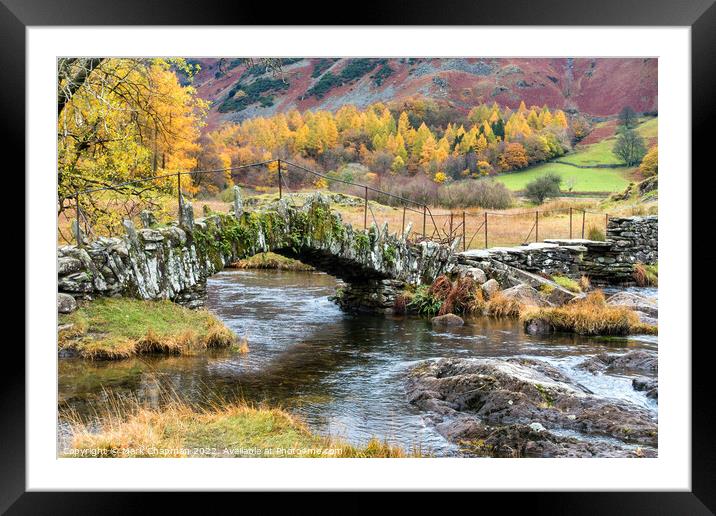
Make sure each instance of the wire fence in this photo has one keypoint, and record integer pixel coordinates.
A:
(466, 229)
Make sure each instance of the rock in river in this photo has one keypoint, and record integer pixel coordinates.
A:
(640, 361)
(447, 320)
(523, 407)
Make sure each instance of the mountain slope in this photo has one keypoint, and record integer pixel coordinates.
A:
(599, 87)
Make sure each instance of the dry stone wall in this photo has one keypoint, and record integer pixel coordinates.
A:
(629, 240)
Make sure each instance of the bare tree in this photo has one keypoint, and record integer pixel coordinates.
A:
(72, 72)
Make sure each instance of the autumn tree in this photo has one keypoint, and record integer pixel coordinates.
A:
(650, 164)
(119, 120)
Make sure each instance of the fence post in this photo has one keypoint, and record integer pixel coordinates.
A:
(280, 192)
(606, 223)
(584, 212)
(536, 226)
(179, 195)
(402, 228)
(78, 231)
(485, 230)
(451, 226)
(464, 229)
(570, 222)
(365, 210)
(425, 208)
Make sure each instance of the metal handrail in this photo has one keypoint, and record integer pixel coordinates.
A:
(412, 206)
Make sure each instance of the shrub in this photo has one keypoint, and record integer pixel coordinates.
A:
(441, 288)
(227, 195)
(400, 304)
(483, 193)
(543, 187)
(424, 302)
(461, 296)
(650, 163)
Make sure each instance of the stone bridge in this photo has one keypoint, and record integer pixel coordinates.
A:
(175, 260)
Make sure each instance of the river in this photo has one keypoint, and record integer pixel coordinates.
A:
(341, 373)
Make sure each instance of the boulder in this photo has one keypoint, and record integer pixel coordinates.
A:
(66, 303)
(520, 407)
(447, 320)
(525, 295)
(490, 287)
(511, 276)
(560, 296)
(477, 274)
(646, 305)
(648, 385)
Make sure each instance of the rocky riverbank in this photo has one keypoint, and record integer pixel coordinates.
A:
(526, 408)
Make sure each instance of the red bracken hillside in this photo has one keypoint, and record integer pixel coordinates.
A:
(598, 87)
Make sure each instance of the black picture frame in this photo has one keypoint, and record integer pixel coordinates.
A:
(700, 15)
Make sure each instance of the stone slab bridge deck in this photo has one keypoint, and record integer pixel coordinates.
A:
(174, 261)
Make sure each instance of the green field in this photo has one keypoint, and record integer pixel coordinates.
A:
(585, 179)
(596, 154)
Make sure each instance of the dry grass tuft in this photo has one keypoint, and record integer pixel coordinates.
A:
(460, 297)
(584, 283)
(243, 345)
(400, 304)
(646, 275)
(128, 428)
(501, 306)
(441, 288)
(590, 316)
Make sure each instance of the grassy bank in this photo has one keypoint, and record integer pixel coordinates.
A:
(271, 261)
(223, 430)
(115, 328)
(589, 316)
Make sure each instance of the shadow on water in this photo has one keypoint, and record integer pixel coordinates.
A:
(342, 373)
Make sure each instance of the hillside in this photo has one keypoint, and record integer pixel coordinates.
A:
(587, 169)
(597, 87)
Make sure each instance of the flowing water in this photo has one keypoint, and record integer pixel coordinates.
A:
(341, 373)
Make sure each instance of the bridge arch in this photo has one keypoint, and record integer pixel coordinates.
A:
(174, 261)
